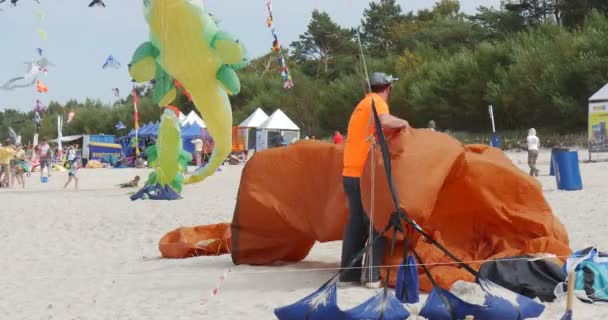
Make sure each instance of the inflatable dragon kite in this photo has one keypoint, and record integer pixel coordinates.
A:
(169, 161)
(186, 45)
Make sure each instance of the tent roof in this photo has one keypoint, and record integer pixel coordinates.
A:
(601, 95)
(255, 119)
(67, 138)
(194, 118)
(279, 121)
(191, 131)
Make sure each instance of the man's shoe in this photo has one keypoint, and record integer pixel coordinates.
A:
(374, 285)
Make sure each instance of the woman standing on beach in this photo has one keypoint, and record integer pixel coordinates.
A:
(19, 166)
(533, 145)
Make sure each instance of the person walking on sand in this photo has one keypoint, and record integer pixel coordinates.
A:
(198, 151)
(7, 151)
(533, 146)
(19, 166)
(72, 174)
(356, 149)
(44, 156)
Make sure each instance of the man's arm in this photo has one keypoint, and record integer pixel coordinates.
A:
(389, 121)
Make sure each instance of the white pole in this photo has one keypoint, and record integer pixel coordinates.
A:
(492, 118)
(59, 125)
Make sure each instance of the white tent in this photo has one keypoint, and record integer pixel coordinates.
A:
(255, 119)
(601, 95)
(598, 117)
(182, 118)
(192, 117)
(271, 130)
(248, 128)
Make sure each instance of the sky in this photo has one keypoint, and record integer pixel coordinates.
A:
(79, 39)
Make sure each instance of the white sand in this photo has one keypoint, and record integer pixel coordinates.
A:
(93, 254)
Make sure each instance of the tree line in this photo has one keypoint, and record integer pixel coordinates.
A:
(536, 61)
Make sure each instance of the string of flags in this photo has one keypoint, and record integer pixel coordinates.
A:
(276, 48)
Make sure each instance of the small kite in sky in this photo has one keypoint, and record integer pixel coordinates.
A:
(97, 3)
(37, 120)
(111, 62)
(41, 87)
(40, 107)
(39, 50)
(40, 14)
(41, 33)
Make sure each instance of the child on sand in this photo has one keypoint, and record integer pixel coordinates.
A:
(72, 174)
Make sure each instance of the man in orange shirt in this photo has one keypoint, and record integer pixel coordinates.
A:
(361, 129)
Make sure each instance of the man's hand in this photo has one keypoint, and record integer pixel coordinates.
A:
(391, 122)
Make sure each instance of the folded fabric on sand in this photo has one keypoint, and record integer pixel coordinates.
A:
(472, 199)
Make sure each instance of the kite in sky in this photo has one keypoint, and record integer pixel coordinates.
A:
(41, 33)
(111, 62)
(98, 3)
(41, 87)
(34, 70)
(40, 107)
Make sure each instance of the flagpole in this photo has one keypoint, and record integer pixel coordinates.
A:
(136, 118)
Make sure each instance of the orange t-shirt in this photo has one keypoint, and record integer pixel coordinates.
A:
(360, 127)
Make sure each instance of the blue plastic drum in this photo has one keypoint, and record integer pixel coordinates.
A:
(567, 171)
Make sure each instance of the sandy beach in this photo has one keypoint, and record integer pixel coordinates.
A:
(93, 254)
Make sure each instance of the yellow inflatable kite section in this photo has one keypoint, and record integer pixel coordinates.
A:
(186, 45)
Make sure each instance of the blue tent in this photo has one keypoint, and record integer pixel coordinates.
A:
(131, 133)
(191, 131)
(149, 130)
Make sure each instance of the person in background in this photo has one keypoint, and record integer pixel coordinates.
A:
(338, 138)
(19, 166)
(432, 125)
(7, 151)
(198, 151)
(533, 146)
(44, 156)
(71, 154)
(72, 174)
(356, 149)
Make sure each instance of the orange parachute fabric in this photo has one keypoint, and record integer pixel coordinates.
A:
(210, 240)
(472, 199)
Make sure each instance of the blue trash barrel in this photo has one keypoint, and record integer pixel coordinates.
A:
(495, 141)
(553, 152)
(567, 171)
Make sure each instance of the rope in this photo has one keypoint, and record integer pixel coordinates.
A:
(277, 271)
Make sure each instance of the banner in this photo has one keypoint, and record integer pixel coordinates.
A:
(98, 150)
(598, 135)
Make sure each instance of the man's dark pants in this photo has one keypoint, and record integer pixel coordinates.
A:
(356, 233)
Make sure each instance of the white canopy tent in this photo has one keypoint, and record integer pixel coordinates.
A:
(276, 126)
(601, 95)
(248, 128)
(192, 117)
(598, 117)
(182, 118)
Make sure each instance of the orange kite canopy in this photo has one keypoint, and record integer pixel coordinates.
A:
(41, 87)
(471, 199)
